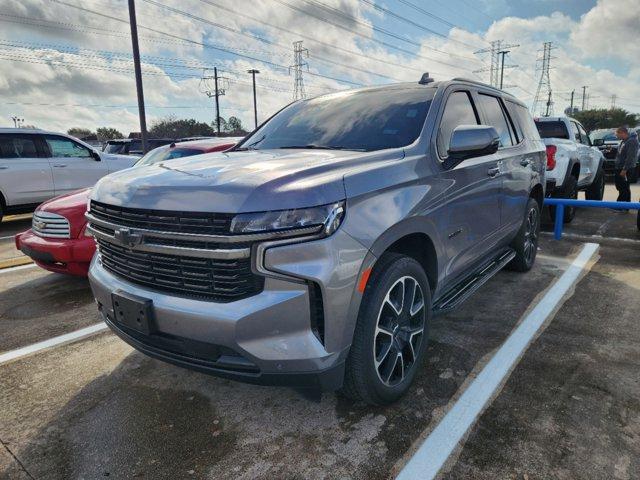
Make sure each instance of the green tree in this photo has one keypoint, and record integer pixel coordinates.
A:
(107, 133)
(234, 125)
(606, 118)
(79, 132)
(170, 127)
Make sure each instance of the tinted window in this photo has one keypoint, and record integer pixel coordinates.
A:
(583, 135)
(606, 135)
(17, 147)
(115, 148)
(458, 111)
(363, 120)
(513, 113)
(495, 117)
(526, 122)
(161, 154)
(552, 129)
(63, 147)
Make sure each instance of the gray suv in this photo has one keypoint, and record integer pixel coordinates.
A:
(315, 253)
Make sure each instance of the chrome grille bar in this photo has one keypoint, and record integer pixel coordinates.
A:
(52, 225)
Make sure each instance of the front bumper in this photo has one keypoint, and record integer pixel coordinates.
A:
(61, 255)
(269, 338)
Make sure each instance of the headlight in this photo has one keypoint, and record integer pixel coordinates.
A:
(328, 216)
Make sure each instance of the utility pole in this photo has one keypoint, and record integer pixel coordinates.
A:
(496, 70)
(253, 72)
(584, 96)
(298, 64)
(545, 81)
(136, 65)
(549, 103)
(503, 53)
(571, 107)
(215, 90)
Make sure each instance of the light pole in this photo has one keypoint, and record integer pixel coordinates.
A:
(253, 72)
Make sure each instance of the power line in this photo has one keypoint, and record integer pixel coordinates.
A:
(415, 24)
(205, 45)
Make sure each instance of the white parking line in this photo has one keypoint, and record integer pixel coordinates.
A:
(52, 342)
(19, 267)
(438, 446)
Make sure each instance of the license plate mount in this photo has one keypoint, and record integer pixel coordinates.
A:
(133, 311)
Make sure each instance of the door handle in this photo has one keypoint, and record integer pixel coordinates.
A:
(60, 165)
(492, 172)
(525, 163)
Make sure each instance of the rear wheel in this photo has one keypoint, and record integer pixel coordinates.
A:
(391, 332)
(526, 242)
(595, 191)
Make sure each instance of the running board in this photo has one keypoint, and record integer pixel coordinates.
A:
(458, 294)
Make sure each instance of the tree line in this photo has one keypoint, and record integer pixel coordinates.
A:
(169, 127)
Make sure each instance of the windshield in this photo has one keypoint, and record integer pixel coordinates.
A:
(115, 147)
(606, 135)
(551, 129)
(163, 153)
(363, 120)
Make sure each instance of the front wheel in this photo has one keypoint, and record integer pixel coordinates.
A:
(526, 242)
(595, 191)
(391, 332)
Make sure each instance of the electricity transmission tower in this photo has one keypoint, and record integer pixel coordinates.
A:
(214, 86)
(614, 97)
(496, 69)
(298, 63)
(544, 84)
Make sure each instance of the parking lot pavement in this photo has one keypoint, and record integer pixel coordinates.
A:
(97, 408)
(36, 305)
(8, 228)
(572, 407)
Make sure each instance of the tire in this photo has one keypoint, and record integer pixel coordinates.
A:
(388, 348)
(570, 190)
(638, 221)
(595, 191)
(526, 242)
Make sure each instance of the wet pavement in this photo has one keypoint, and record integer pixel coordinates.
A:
(98, 409)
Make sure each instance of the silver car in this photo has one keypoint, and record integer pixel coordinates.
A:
(315, 253)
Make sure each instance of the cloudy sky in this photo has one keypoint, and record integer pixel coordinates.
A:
(67, 63)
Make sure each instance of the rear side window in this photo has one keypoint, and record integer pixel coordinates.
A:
(12, 146)
(552, 129)
(585, 138)
(526, 122)
(496, 118)
(458, 111)
(64, 147)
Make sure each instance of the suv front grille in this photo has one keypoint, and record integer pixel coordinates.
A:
(219, 280)
(164, 221)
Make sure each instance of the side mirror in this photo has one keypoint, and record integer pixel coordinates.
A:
(598, 142)
(468, 141)
(96, 156)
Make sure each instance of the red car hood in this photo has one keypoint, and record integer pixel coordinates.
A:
(72, 206)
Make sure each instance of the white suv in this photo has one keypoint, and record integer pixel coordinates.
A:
(36, 165)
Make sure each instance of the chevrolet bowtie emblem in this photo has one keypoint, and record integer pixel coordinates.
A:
(127, 237)
(39, 224)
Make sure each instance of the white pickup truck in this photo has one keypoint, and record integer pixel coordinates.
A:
(573, 163)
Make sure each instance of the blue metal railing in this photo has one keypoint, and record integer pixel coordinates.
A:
(560, 203)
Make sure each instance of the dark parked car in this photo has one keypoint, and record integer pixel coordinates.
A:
(133, 146)
(316, 252)
(605, 139)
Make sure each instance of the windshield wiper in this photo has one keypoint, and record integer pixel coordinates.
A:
(321, 147)
(248, 147)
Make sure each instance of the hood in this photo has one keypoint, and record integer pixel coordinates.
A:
(234, 182)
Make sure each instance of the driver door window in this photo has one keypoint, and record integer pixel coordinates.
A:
(458, 111)
(575, 132)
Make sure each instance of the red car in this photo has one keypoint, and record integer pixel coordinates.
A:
(57, 240)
